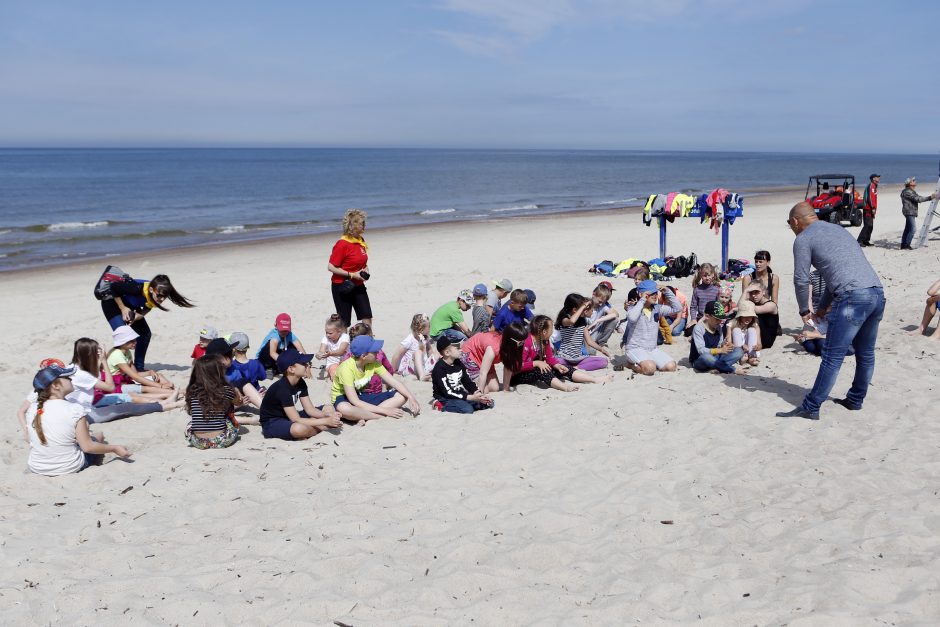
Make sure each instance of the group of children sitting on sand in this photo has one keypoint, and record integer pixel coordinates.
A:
(458, 359)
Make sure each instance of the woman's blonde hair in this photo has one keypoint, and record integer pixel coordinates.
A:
(353, 217)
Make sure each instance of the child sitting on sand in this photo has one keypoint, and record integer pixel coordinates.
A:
(279, 415)
(602, 320)
(573, 341)
(250, 370)
(348, 395)
(59, 440)
(206, 335)
(515, 309)
(480, 313)
(246, 392)
(414, 356)
(534, 363)
(494, 299)
(94, 388)
(708, 350)
(643, 318)
(278, 340)
(121, 366)
(210, 402)
(448, 320)
(704, 290)
(453, 388)
(673, 325)
(744, 333)
(479, 355)
(334, 344)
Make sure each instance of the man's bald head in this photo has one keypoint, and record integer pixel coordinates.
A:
(802, 210)
(801, 216)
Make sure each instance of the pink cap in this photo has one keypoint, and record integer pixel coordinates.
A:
(282, 322)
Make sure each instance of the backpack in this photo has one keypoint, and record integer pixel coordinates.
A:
(111, 274)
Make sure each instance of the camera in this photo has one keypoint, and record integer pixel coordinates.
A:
(365, 275)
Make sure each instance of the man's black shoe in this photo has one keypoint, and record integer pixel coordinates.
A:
(906, 247)
(799, 412)
(845, 403)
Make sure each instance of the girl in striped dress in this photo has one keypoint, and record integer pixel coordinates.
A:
(210, 402)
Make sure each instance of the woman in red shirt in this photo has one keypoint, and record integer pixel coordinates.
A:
(349, 265)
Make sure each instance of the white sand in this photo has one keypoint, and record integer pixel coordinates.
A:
(547, 510)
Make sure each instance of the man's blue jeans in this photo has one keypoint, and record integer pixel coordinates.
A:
(910, 226)
(724, 363)
(853, 322)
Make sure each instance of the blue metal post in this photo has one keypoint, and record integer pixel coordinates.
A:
(662, 237)
(725, 230)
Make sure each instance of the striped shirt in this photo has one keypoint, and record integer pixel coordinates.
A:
(215, 421)
(571, 346)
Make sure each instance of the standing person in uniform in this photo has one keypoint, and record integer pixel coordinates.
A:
(349, 265)
(129, 301)
(869, 209)
(853, 303)
(909, 201)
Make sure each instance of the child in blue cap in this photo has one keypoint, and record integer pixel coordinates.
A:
(643, 323)
(352, 376)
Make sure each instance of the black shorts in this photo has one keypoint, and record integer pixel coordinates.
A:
(357, 299)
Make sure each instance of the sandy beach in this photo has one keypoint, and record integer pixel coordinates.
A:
(648, 500)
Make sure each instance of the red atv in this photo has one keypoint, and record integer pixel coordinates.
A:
(836, 199)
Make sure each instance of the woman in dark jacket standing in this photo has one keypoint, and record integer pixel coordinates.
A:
(130, 300)
(349, 265)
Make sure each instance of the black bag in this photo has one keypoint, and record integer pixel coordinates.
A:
(111, 275)
(345, 288)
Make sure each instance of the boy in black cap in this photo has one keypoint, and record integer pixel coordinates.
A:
(707, 350)
(279, 415)
(453, 388)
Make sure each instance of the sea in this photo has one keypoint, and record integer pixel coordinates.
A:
(59, 206)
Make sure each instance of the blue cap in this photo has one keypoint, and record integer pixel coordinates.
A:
(480, 290)
(47, 375)
(290, 357)
(530, 297)
(364, 344)
(648, 286)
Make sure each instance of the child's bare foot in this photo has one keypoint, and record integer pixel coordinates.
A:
(362, 423)
(605, 379)
(170, 404)
(572, 388)
(740, 371)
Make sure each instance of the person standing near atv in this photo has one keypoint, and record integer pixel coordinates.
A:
(909, 201)
(869, 209)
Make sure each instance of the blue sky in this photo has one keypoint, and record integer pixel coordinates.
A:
(795, 75)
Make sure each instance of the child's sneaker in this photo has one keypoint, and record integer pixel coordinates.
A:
(436, 405)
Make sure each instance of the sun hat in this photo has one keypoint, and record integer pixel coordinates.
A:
(746, 309)
(282, 322)
(124, 334)
(290, 357)
(466, 296)
(238, 340)
(218, 346)
(648, 286)
(480, 290)
(363, 344)
(208, 333)
(716, 309)
(47, 375)
(503, 284)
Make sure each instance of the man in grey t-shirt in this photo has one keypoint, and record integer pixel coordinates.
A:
(853, 304)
